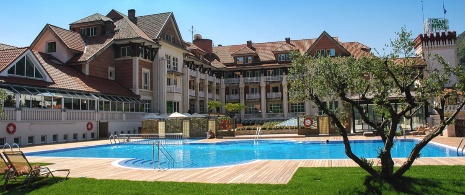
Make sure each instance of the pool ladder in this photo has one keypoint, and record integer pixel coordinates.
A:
(258, 133)
(161, 152)
(458, 147)
(114, 138)
(11, 147)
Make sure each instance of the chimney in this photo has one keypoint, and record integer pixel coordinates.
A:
(249, 44)
(132, 16)
(288, 40)
(205, 44)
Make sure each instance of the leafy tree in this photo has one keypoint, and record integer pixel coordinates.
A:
(232, 107)
(213, 105)
(461, 48)
(378, 80)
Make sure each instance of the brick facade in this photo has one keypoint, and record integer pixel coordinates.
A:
(123, 72)
(99, 65)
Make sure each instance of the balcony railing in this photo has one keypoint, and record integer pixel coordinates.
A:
(295, 114)
(210, 78)
(231, 80)
(232, 97)
(201, 94)
(37, 114)
(210, 95)
(192, 73)
(173, 89)
(274, 115)
(252, 79)
(252, 96)
(274, 95)
(253, 116)
(202, 75)
(191, 92)
(274, 78)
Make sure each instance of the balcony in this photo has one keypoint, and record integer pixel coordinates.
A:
(202, 76)
(210, 96)
(201, 94)
(274, 78)
(232, 97)
(192, 73)
(231, 80)
(252, 96)
(191, 92)
(274, 115)
(252, 79)
(173, 89)
(274, 95)
(210, 78)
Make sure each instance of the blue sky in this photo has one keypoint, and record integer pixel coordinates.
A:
(229, 22)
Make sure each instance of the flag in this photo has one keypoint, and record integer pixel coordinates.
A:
(445, 11)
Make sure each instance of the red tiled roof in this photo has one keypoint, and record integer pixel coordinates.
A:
(5, 46)
(94, 45)
(68, 78)
(7, 56)
(153, 24)
(244, 50)
(224, 54)
(93, 18)
(72, 40)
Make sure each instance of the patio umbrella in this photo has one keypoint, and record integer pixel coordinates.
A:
(177, 115)
(163, 116)
(196, 115)
(187, 114)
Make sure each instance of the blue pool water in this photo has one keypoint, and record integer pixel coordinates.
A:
(193, 154)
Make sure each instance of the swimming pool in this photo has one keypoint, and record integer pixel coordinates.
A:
(194, 154)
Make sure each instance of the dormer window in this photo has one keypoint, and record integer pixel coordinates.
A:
(51, 47)
(88, 32)
(282, 57)
(325, 52)
(169, 38)
(244, 60)
(24, 67)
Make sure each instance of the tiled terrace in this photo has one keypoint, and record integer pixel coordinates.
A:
(264, 171)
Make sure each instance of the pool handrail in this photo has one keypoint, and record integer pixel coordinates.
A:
(458, 147)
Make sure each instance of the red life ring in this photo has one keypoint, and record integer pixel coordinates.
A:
(90, 126)
(11, 128)
(225, 124)
(308, 122)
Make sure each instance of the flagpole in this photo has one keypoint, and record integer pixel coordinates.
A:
(444, 9)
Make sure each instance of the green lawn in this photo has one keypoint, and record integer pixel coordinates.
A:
(352, 180)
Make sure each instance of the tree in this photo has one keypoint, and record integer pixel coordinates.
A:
(461, 48)
(213, 105)
(234, 107)
(378, 80)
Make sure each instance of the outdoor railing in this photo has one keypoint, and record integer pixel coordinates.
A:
(173, 89)
(274, 78)
(165, 139)
(80, 115)
(295, 114)
(32, 114)
(251, 79)
(232, 97)
(231, 80)
(253, 116)
(252, 96)
(274, 115)
(274, 95)
(201, 94)
(191, 92)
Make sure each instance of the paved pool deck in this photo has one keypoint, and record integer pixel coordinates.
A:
(262, 171)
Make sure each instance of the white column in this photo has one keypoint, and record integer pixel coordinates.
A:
(263, 95)
(214, 98)
(242, 95)
(222, 94)
(162, 87)
(196, 87)
(185, 89)
(285, 97)
(135, 75)
(205, 92)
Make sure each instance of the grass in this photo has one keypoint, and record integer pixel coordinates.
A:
(347, 180)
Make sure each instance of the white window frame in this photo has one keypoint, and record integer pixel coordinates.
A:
(168, 61)
(175, 63)
(248, 60)
(92, 31)
(145, 79)
(126, 51)
(240, 60)
(234, 91)
(111, 73)
(254, 90)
